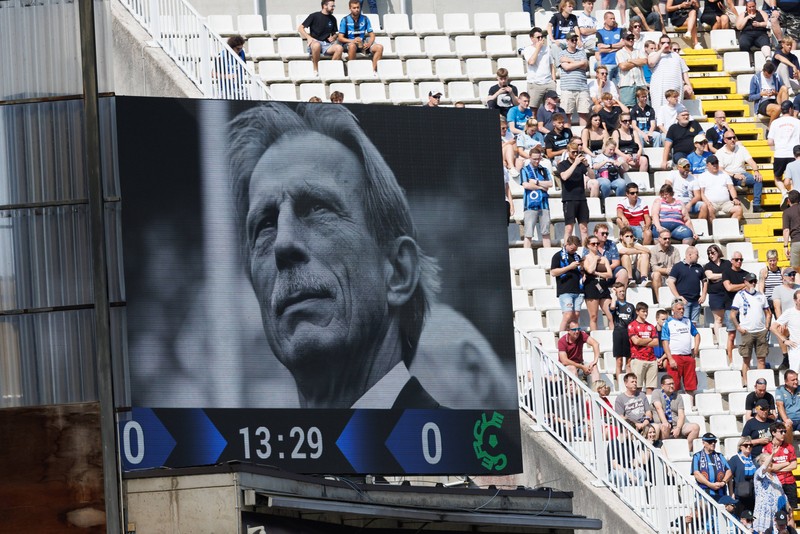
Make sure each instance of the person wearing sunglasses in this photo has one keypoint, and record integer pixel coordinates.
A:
(697, 159)
(769, 494)
(573, 66)
(628, 147)
(541, 76)
(669, 72)
(630, 62)
(679, 141)
(596, 292)
(733, 282)
(784, 461)
(743, 468)
(734, 158)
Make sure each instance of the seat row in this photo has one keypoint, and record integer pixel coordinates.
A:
(399, 93)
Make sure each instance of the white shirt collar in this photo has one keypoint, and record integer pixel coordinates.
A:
(382, 395)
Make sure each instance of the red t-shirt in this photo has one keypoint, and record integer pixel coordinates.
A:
(645, 331)
(574, 350)
(635, 214)
(785, 454)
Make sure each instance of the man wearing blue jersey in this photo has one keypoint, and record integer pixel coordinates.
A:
(356, 36)
(681, 343)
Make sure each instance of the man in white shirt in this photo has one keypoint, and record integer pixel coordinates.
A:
(751, 317)
(733, 157)
(787, 329)
(791, 175)
(783, 136)
(687, 188)
(718, 193)
(630, 64)
(588, 25)
(541, 70)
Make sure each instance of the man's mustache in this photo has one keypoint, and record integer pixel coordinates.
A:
(295, 286)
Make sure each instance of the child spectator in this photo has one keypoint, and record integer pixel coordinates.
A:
(643, 339)
(623, 313)
(610, 111)
(668, 114)
(644, 119)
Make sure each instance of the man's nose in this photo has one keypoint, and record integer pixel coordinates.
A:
(290, 240)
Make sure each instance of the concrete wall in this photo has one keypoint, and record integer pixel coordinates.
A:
(141, 69)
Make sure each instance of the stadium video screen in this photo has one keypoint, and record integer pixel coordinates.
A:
(317, 287)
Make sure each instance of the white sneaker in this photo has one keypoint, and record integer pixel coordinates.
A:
(698, 46)
(513, 172)
(687, 35)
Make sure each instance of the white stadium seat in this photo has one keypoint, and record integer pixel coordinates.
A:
(736, 402)
(420, 70)
(737, 63)
(724, 425)
(281, 26)
(498, 46)
(408, 47)
(480, 69)
(272, 71)
(520, 258)
(250, 26)
(284, 92)
(402, 93)
(745, 247)
(260, 48)
(221, 24)
(708, 404)
(391, 70)
(529, 321)
(360, 70)
(307, 90)
(462, 92)
(373, 93)
(712, 360)
(544, 256)
(514, 65)
(545, 299)
(469, 46)
(726, 230)
(291, 48)
(728, 381)
(438, 46)
(724, 40)
(396, 24)
(516, 22)
(743, 83)
(450, 70)
(425, 24)
(301, 71)
(375, 22)
(348, 89)
(332, 71)
(533, 278)
(488, 24)
(388, 47)
(456, 24)
(520, 300)
(766, 374)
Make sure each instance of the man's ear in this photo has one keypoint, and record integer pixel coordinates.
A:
(403, 270)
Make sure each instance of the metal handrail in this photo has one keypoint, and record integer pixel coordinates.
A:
(197, 50)
(611, 449)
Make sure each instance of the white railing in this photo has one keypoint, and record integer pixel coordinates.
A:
(612, 449)
(199, 52)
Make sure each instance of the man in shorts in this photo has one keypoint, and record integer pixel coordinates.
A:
(681, 344)
(319, 29)
(670, 415)
(570, 352)
(783, 136)
(623, 313)
(718, 193)
(573, 66)
(643, 338)
(574, 170)
(535, 180)
(356, 36)
(565, 268)
(751, 316)
(541, 75)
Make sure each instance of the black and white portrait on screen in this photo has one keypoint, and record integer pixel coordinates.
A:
(314, 256)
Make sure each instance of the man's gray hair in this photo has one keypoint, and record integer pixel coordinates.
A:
(388, 216)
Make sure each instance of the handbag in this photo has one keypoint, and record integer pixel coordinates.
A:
(744, 489)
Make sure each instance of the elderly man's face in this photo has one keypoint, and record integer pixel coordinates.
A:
(305, 225)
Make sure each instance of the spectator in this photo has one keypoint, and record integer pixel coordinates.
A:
(647, 13)
(711, 469)
(681, 13)
(315, 100)
(594, 136)
(601, 85)
(623, 313)
(630, 62)
(633, 405)
(770, 497)
(628, 149)
(357, 36)
(782, 300)
(668, 114)
(733, 157)
(686, 188)
(784, 461)
(681, 344)
(746, 518)
(337, 97)
(669, 72)
(787, 396)
(529, 139)
(671, 214)
(698, 158)
(661, 320)
(743, 468)
(687, 280)
(633, 213)
(770, 278)
(643, 337)
(715, 134)
(519, 114)
(556, 141)
(560, 25)
(635, 28)
(610, 170)
(791, 176)
(608, 248)
(588, 26)
(770, 8)
(597, 271)
(760, 393)
(537, 7)
(717, 296)
(573, 67)
(541, 70)
(568, 416)
(670, 415)
(629, 252)
(753, 26)
(757, 428)
(717, 191)
(610, 111)
(570, 352)
(783, 136)
(229, 71)
(714, 14)
(650, 434)
(508, 142)
(644, 119)
(663, 258)
(733, 282)
(507, 197)
(649, 48)
(767, 91)
(576, 176)
(788, 65)
(502, 95)
(536, 180)
(319, 29)
(608, 42)
(751, 317)
(433, 102)
(621, 456)
(545, 114)
(791, 230)
(680, 138)
(373, 6)
(459, 105)
(565, 268)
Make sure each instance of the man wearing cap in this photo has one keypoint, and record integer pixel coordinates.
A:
(686, 188)
(687, 279)
(733, 156)
(609, 39)
(545, 113)
(730, 504)
(717, 191)
(711, 469)
(680, 138)
(433, 99)
(781, 524)
(791, 229)
(759, 393)
(519, 114)
(746, 518)
(783, 136)
(573, 66)
(630, 64)
(751, 316)
(681, 344)
(784, 461)
(669, 413)
(541, 70)
(757, 428)
(700, 155)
